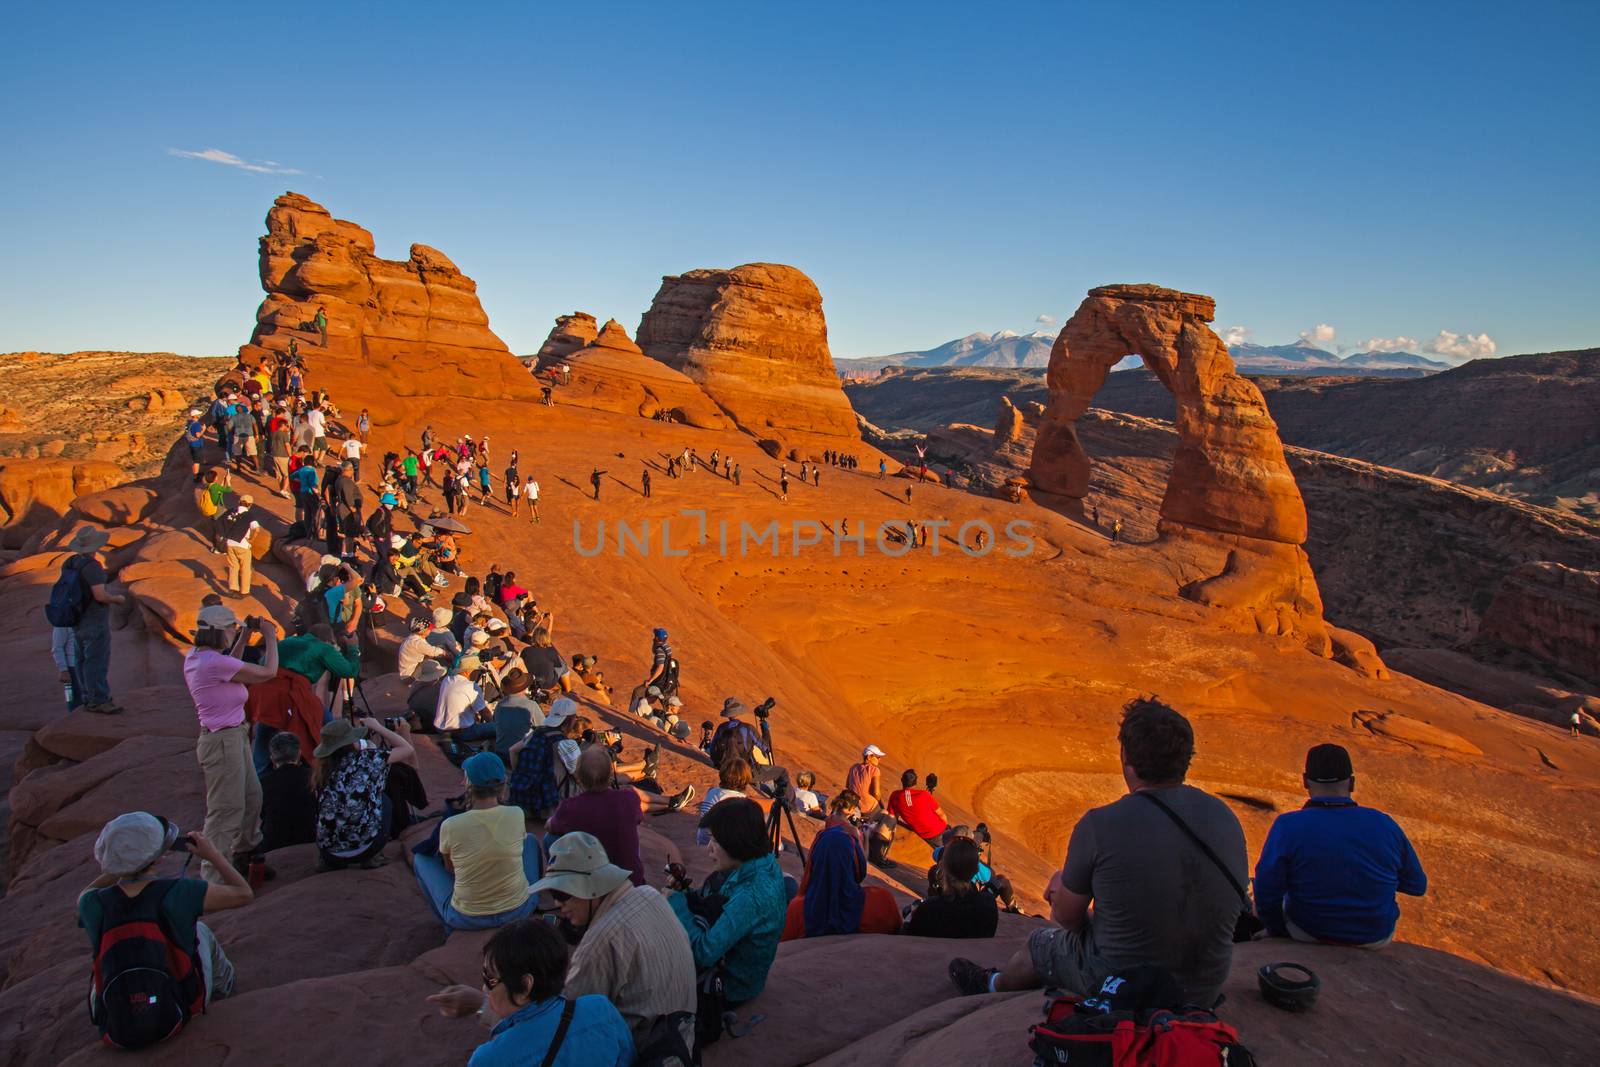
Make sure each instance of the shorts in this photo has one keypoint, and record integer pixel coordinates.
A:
(280, 466)
(319, 444)
(511, 495)
(250, 446)
(1066, 960)
(194, 450)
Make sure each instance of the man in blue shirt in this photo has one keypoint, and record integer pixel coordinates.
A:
(1329, 872)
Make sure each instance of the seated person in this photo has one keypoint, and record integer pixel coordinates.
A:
(524, 976)
(960, 908)
(416, 647)
(486, 860)
(442, 634)
(288, 803)
(743, 936)
(515, 714)
(424, 695)
(611, 815)
(733, 780)
(1329, 872)
(804, 798)
(832, 899)
(461, 705)
(354, 813)
(543, 662)
(916, 810)
(128, 850)
(1157, 898)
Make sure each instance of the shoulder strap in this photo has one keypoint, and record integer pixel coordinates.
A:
(561, 1032)
(1205, 848)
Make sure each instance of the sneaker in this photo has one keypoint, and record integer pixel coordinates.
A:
(677, 803)
(440, 581)
(970, 979)
(652, 758)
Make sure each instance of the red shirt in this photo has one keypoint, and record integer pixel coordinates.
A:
(917, 809)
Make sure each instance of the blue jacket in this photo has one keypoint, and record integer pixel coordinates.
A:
(746, 935)
(1336, 866)
(597, 1036)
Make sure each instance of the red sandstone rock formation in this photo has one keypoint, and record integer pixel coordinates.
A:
(570, 333)
(37, 492)
(1552, 612)
(1230, 492)
(418, 323)
(754, 338)
(611, 374)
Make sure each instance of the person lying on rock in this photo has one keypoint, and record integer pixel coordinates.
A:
(1158, 898)
(486, 859)
(128, 850)
(1329, 872)
(353, 806)
(610, 813)
(524, 998)
(831, 899)
(959, 909)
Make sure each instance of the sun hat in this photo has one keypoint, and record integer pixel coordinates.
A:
(430, 670)
(496, 625)
(336, 735)
(871, 750)
(674, 702)
(88, 539)
(194, 413)
(484, 768)
(442, 616)
(396, 541)
(580, 868)
(480, 638)
(560, 711)
(1326, 764)
(732, 709)
(515, 681)
(246, 499)
(469, 663)
(130, 843)
(217, 617)
(390, 499)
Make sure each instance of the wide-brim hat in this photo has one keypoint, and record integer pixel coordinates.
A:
(579, 867)
(88, 539)
(514, 682)
(442, 616)
(732, 709)
(430, 670)
(336, 735)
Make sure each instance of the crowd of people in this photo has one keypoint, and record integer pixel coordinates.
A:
(588, 963)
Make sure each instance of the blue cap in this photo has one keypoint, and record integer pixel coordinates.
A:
(661, 635)
(484, 768)
(390, 499)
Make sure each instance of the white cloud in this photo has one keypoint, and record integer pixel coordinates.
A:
(1045, 322)
(1320, 335)
(228, 159)
(1389, 344)
(1235, 335)
(1463, 346)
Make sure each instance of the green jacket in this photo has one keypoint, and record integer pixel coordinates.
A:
(305, 655)
(745, 937)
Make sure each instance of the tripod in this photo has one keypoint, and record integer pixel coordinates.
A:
(780, 811)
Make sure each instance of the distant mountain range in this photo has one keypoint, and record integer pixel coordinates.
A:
(1011, 349)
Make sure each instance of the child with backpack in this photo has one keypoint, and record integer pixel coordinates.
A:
(156, 965)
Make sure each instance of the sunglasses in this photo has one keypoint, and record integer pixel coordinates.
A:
(558, 896)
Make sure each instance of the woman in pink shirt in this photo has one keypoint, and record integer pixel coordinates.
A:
(218, 681)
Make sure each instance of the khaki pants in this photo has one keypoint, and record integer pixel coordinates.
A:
(239, 563)
(233, 794)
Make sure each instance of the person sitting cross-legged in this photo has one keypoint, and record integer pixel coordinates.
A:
(612, 814)
(486, 860)
(1328, 873)
(959, 908)
(832, 899)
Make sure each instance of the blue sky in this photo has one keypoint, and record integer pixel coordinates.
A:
(1394, 170)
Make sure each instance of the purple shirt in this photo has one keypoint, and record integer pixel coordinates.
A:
(613, 817)
(218, 699)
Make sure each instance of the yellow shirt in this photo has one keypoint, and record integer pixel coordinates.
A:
(485, 847)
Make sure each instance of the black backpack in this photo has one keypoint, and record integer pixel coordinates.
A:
(145, 987)
(668, 1042)
(69, 597)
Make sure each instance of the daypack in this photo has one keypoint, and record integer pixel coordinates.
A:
(1074, 1035)
(145, 987)
(205, 501)
(668, 1044)
(710, 1009)
(69, 597)
(534, 784)
(734, 739)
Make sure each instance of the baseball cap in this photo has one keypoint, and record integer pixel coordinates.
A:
(1328, 764)
(130, 843)
(660, 634)
(653, 691)
(480, 638)
(560, 711)
(217, 617)
(484, 768)
(871, 750)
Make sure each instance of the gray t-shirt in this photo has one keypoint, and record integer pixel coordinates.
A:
(1158, 898)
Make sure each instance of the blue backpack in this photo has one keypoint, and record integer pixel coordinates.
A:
(533, 785)
(69, 597)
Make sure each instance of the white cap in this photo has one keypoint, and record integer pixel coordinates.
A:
(130, 843)
(871, 750)
(217, 617)
(560, 711)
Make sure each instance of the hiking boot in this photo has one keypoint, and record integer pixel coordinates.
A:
(970, 979)
(652, 758)
(677, 803)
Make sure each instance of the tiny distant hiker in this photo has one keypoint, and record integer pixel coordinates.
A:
(1577, 724)
(645, 482)
(1094, 513)
(736, 469)
(363, 425)
(783, 486)
(908, 492)
(883, 470)
(594, 480)
(1116, 531)
(530, 493)
(321, 323)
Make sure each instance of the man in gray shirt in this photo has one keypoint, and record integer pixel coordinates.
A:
(1158, 898)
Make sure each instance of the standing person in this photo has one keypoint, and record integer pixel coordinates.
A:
(513, 492)
(1577, 724)
(347, 503)
(194, 436)
(594, 480)
(307, 501)
(64, 653)
(1116, 531)
(452, 492)
(80, 601)
(237, 529)
(1094, 513)
(644, 482)
(363, 425)
(908, 492)
(483, 480)
(218, 679)
(883, 469)
(351, 454)
(242, 428)
(321, 323)
(530, 493)
(783, 486)
(411, 467)
(736, 470)
(278, 449)
(1329, 872)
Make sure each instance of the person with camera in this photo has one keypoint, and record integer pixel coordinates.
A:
(735, 921)
(735, 737)
(955, 906)
(461, 703)
(218, 679)
(353, 807)
(864, 780)
(611, 813)
(543, 661)
(486, 859)
(831, 899)
(127, 901)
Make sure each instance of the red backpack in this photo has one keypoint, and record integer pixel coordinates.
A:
(1122, 1027)
(145, 987)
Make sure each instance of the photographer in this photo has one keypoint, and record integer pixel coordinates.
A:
(353, 807)
(461, 704)
(218, 679)
(735, 737)
(956, 907)
(126, 893)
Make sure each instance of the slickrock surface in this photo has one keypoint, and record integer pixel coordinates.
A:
(570, 333)
(610, 373)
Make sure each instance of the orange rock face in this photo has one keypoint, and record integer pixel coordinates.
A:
(37, 492)
(755, 340)
(1552, 612)
(612, 374)
(417, 323)
(570, 333)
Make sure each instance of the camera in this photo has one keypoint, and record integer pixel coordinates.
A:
(980, 834)
(393, 722)
(181, 844)
(677, 877)
(763, 709)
